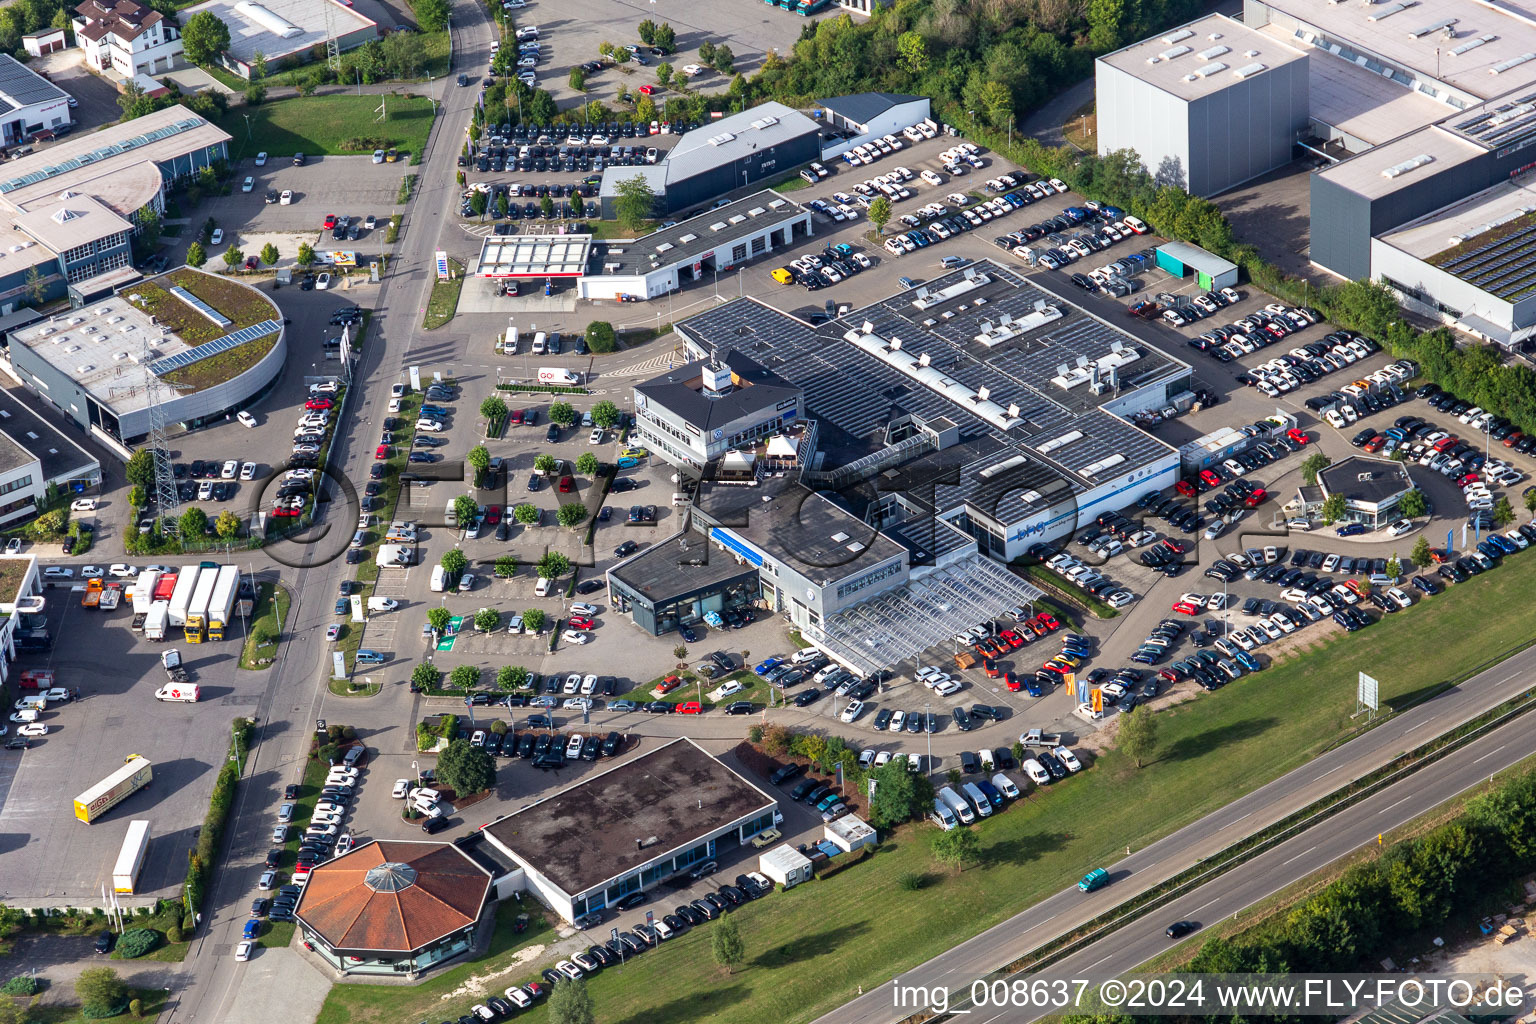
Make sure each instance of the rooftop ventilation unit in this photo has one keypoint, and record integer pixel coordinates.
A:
(1420, 33)
(765, 122)
(839, 536)
(930, 377)
(1002, 467)
(1389, 10)
(1094, 469)
(690, 237)
(1060, 442)
(718, 225)
(1174, 37)
(1470, 44)
(1407, 165)
(1214, 52)
(1249, 69)
(721, 139)
(1513, 62)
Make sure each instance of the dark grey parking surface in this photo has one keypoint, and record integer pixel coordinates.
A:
(49, 856)
(96, 97)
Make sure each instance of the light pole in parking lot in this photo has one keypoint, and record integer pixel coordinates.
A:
(928, 734)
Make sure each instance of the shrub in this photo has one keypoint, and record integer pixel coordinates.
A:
(22, 985)
(135, 942)
(136, 1005)
(173, 933)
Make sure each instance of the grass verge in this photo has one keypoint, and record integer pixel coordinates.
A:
(324, 125)
(1069, 591)
(272, 601)
(377, 1004)
(1212, 749)
(153, 1001)
(407, 186)
(278, 935)
(1082, 128)
(444, 302)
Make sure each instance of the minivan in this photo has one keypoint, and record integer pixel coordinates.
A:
(951, 262)
(540, 342)
(958, 805)
(542, 587)
(1098, 878)
(942, 816)
(439, 577)
(978, 799)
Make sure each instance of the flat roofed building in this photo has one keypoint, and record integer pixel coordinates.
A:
(1020, 396)
(90, 363)
(1471, 264)
(284, 29)
(1456, 52)
(534, 256)
(722, 156)
(1373, 489)
(393, 906)
(631, 827)
(1210, 104)
(693, 414)
(716, 240)
(678, 580)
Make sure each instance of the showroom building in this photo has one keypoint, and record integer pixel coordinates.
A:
(631, 827)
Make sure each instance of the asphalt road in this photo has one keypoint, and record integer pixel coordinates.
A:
(1070, 909)
(296, 694)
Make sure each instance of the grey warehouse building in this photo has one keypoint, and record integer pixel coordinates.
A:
(723, 156)
(1210, 104)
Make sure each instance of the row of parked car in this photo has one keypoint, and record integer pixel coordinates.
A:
(1088, 578)
(1245, 335)
(1307, 363)
(1098, 228)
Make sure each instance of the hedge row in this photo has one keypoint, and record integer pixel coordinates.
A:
(200, 860)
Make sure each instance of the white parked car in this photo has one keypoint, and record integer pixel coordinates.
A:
(245, 418)
(323, 282)
(122, 570)
(576, 636)
(401, 790)
(854, 709)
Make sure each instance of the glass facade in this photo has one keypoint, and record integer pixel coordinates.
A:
(442, 950)
(661, 616)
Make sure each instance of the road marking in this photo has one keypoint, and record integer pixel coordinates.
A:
(1234, 821)
(1413, 727)
(1099, 961)
(1300, 855)
(1490, 753)
(1204, 905)
(1405, 799)
(1329, 772)
(1506, 679)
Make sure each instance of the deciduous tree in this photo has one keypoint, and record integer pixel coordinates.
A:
(957, 849)
(1138, 734)
(204, 37)
(726, 944)
(465, 769)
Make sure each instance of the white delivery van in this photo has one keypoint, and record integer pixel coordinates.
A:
(35, 703)
(958, 805)
(439, 576)
(979, 799)
(539, 344)
(942, 816)
(542, 588)
(185, 692)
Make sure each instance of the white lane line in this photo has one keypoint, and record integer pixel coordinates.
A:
(1329, 772)
(1404, 800)
(1413, 727)
(1490, 753)
(1204, 905)
(1506, 679)
(1300, 855)
(1234, 821)
(1099, 961)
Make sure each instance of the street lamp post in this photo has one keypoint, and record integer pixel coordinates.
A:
(929, 736)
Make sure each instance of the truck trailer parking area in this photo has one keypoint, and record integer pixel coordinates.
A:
(60, 860)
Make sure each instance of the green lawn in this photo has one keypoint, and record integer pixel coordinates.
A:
(1069, 590)
(153, 1000)
(274, 613)
(444, 301)
(321, 125)
(389, 1004)
(1212, 749)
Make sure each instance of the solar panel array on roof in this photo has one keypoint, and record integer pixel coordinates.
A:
(199, 305)
(1508, 124)
(115, 149)
(24, 86)
(212, 348)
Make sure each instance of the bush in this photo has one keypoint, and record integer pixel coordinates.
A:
(136, 1007)
(23, 985)
(135, 942)
(173, 933)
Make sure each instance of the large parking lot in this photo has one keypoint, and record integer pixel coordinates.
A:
(67, 861)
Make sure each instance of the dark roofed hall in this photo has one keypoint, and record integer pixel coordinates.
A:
(864, 107)
(1372, 481)
(755, 387)
(606, 825)
(393, 896)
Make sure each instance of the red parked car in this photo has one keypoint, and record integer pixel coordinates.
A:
(1255, 498)
(315, 404)
(493, 514)
(382, 452)
(1299, 436)
(1185, 488)
(1185, 608)
(647, 90)
(329, 222)
(580, 622)
(1047, 621)
(1210, 478)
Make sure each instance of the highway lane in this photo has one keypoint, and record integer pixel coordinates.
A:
(1068, 910)
(1263, 876)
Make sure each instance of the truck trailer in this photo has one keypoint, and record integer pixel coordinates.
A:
(144, 591)
(186, 584)
(222, 607)
(157, 621)
(133, 776)
(196, 625)
(125, 874)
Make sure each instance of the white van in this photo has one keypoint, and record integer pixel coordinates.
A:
(942, 816)
(679, 498)
(958, 804)
(439, 577)
(540, 344)
(979, 799)
(542, 588)
(35, 703)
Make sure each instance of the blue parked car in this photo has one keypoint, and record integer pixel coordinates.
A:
(1350, 529)
(1032, 684)
(251, 928)
(1248, 661)
(1111, 212)
(764, 667)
